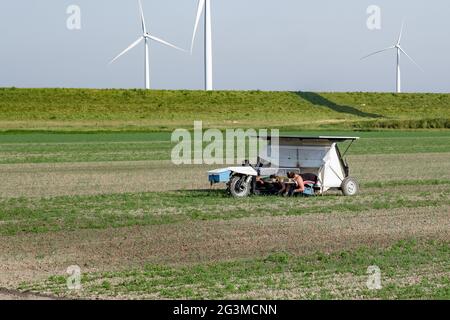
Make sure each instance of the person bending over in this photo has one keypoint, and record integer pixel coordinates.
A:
(299, 186)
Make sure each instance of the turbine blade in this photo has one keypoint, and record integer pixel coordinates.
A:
(401, 33)
(134, 44)
(144, 28)
(201, 6)
(164, 42)
(417, 65)
(377, 52)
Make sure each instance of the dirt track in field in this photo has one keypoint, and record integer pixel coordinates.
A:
(6, 294)
(41, 180)
(35, 257)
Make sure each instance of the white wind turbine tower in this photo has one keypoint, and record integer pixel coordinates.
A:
(399, 50)
(146, 37)
(205, 5)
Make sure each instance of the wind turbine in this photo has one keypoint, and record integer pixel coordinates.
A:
(399, 50)
(205, 5)
(146, 37)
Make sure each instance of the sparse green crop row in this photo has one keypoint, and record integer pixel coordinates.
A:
(41, 215)
(409, 270)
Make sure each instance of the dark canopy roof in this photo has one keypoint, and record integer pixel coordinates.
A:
(325, 138)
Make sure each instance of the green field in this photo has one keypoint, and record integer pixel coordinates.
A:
(65, 147)
(125, 110)
(22, 215)
(87, 180)
(113, 202)
(339, 275)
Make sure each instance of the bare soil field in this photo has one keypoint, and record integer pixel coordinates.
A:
(17, 295)
(31, 257)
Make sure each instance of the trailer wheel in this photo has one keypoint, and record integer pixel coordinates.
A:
(350, 187)
(240, 187)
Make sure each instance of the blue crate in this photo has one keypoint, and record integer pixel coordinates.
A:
(219, 177)
(309, 190)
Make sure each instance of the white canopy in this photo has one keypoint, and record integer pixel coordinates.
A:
(331, 173)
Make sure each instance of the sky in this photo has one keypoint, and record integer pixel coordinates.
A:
(291, 45)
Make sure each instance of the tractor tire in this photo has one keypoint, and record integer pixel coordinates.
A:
(350, 187)
(240, 187)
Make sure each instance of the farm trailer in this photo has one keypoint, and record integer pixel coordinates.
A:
(317, 159)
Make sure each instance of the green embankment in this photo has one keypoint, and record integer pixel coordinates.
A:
(139, 110)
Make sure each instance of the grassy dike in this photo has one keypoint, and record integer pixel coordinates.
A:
(139, 110)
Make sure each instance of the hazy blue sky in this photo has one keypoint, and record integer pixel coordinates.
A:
(258, 44)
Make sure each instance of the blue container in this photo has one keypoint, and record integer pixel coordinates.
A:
(309, 190)
(219, 177)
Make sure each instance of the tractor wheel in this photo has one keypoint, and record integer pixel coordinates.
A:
(350, 187)
(240, 187)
